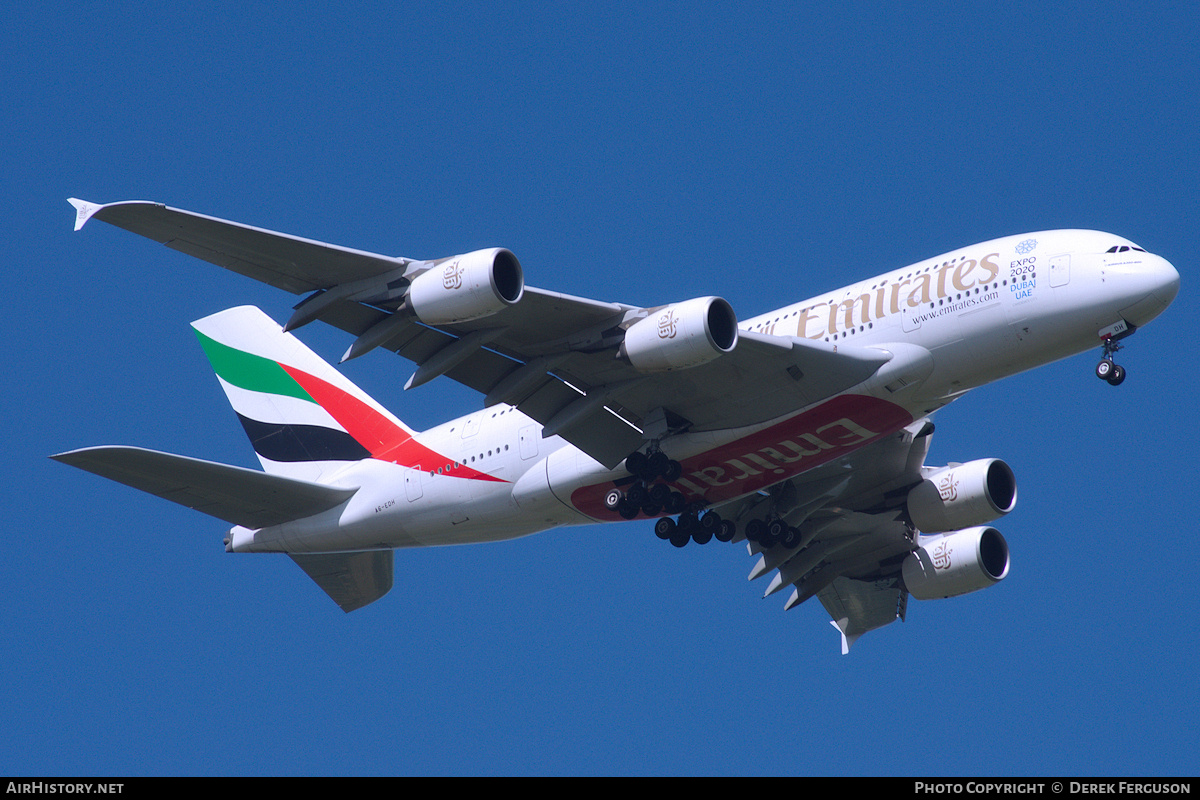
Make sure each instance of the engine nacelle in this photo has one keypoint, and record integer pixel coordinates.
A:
(955, 563)
(961, 496)
(682, 335)
(467, 287)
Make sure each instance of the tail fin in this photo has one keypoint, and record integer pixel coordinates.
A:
(303, 417)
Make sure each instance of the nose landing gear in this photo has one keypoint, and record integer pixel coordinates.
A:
(1107, 369)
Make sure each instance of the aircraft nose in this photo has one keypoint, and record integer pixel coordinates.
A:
(1168, 278)
(1158, 284)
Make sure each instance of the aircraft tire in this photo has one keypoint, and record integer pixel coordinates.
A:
(656, 465)
(664, 528)
(791, 537)
(672, 472)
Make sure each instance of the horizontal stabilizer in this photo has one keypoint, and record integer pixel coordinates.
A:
(237, 495)
(353, 580)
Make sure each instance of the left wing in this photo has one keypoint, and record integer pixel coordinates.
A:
(604, 376)
(850, 531)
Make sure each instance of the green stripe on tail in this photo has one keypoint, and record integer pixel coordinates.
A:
(250, 372)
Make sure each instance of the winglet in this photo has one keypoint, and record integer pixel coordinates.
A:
(83, 210)
(841, 626)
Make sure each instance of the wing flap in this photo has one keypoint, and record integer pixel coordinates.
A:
(236, 495)
(353, 580)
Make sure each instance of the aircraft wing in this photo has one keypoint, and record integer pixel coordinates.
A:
(853, 536)
(860, 606)
(553, 356)
(286, 262)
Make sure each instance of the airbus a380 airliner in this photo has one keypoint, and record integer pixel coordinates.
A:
(802, 432)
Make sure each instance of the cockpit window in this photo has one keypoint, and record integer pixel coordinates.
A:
(1122, 248)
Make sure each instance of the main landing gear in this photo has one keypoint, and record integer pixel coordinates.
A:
(650, 493)
(769, 533)
(1107, 370)
(692, 527)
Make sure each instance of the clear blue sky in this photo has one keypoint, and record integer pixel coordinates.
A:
(645, 153)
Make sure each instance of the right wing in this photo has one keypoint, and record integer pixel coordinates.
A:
(286, 262)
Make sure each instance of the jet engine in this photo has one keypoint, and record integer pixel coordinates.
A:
(467, 287)
(960, 496)
(681, 335)
(956, 563)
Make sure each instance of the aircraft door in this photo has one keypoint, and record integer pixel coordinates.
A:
(528, 438)
(1060, 270)
(412, 483)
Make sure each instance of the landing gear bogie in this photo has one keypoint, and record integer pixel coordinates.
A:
(649, 468)
(694, 525)
(769, 533)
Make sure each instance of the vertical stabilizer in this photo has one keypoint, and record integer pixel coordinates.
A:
(304, 418)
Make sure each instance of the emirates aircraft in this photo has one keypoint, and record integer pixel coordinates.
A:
(802, 432)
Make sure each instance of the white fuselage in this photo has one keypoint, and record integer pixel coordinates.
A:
(951, 323)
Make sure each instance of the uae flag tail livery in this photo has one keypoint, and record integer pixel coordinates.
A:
(304, 418)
